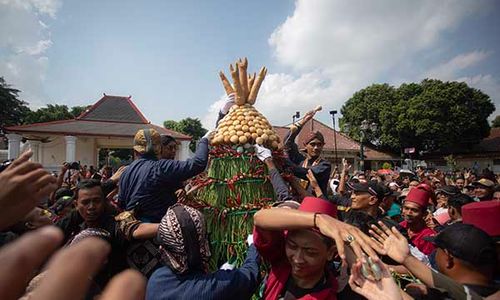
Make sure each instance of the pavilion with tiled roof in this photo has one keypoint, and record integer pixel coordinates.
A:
(110, 123)
(346, 146)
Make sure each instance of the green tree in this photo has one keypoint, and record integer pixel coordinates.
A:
(54, 112)
(78, 110)
(189, 126)
(377, 104)
(13, 111)
(430, 116)
(496, 122)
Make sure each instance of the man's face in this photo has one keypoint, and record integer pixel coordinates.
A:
(169, 150)
(307, 253)
(496, 196)
(442, 200)
(481, 191)
(412, 212)
(362, 200)
(442, 261)
(387, 202)
(413, 184)
(314, 148)
(460, 183)
(90, 203)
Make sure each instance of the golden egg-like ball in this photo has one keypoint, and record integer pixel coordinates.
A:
(243, 139)
(235, 139)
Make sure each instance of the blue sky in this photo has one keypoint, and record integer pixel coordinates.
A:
(166, 54)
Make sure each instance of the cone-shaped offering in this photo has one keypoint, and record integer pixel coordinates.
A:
(244, 124)
(237, 183)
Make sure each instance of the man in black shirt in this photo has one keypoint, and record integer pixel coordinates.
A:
(92, 211)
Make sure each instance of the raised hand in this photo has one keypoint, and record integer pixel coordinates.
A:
(342, 232)
(385, 288)
(229, 101)
(116, 177)
(392, 241)
(68, 272)
(22, 184)
(346, 167)
(262, 152)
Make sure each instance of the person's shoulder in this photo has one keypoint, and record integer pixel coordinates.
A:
(325, 162)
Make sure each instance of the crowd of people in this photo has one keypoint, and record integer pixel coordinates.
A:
(332, 234)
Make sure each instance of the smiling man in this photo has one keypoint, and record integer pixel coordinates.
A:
(414, 211)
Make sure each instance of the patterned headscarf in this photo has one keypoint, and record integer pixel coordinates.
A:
(183, 238)
(90, 232)
(314, 135)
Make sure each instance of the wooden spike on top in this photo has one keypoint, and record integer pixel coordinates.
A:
(256, 85)
(251, 79)
(237, 86)
(227, 85)
(242, 68)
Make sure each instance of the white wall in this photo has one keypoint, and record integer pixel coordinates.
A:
(85, 152)
(53, 153)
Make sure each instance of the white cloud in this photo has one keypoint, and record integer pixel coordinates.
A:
(42, 7)
(449, 69)
(336, 47)
(489, 85)
(36, 49)
(25, 40)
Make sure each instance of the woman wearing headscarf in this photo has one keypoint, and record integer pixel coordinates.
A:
(301, 164)
(185, 254)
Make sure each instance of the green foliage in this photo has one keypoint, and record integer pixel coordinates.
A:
(386, 166)
(496, 122)
(12, 110)
(189, 126)
(54, 112)
(430, 116)
(451, 162)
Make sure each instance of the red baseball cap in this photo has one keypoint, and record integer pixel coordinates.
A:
(484, 215)
(318, 205)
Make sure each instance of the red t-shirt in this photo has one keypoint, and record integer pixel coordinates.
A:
(273, 250)
(418, 238)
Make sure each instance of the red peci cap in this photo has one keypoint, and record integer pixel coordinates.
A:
(318, 205)
(484, 215)
(418, 196)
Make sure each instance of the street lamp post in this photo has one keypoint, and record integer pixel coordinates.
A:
(333, 112)
(364, 129)
(296, 116)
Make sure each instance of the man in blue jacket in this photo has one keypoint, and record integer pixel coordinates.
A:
(148, 185)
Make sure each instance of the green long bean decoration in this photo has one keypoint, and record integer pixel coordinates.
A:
(237, 186)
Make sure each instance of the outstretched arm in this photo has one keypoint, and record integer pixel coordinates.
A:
(291, 219)
(183, 170)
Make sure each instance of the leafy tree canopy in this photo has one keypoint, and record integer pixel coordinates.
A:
(496, 122)
(187, 126)
(431, 115)
(54, 112)
(13, 111)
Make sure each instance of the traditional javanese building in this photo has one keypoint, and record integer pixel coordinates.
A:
(110, 123)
